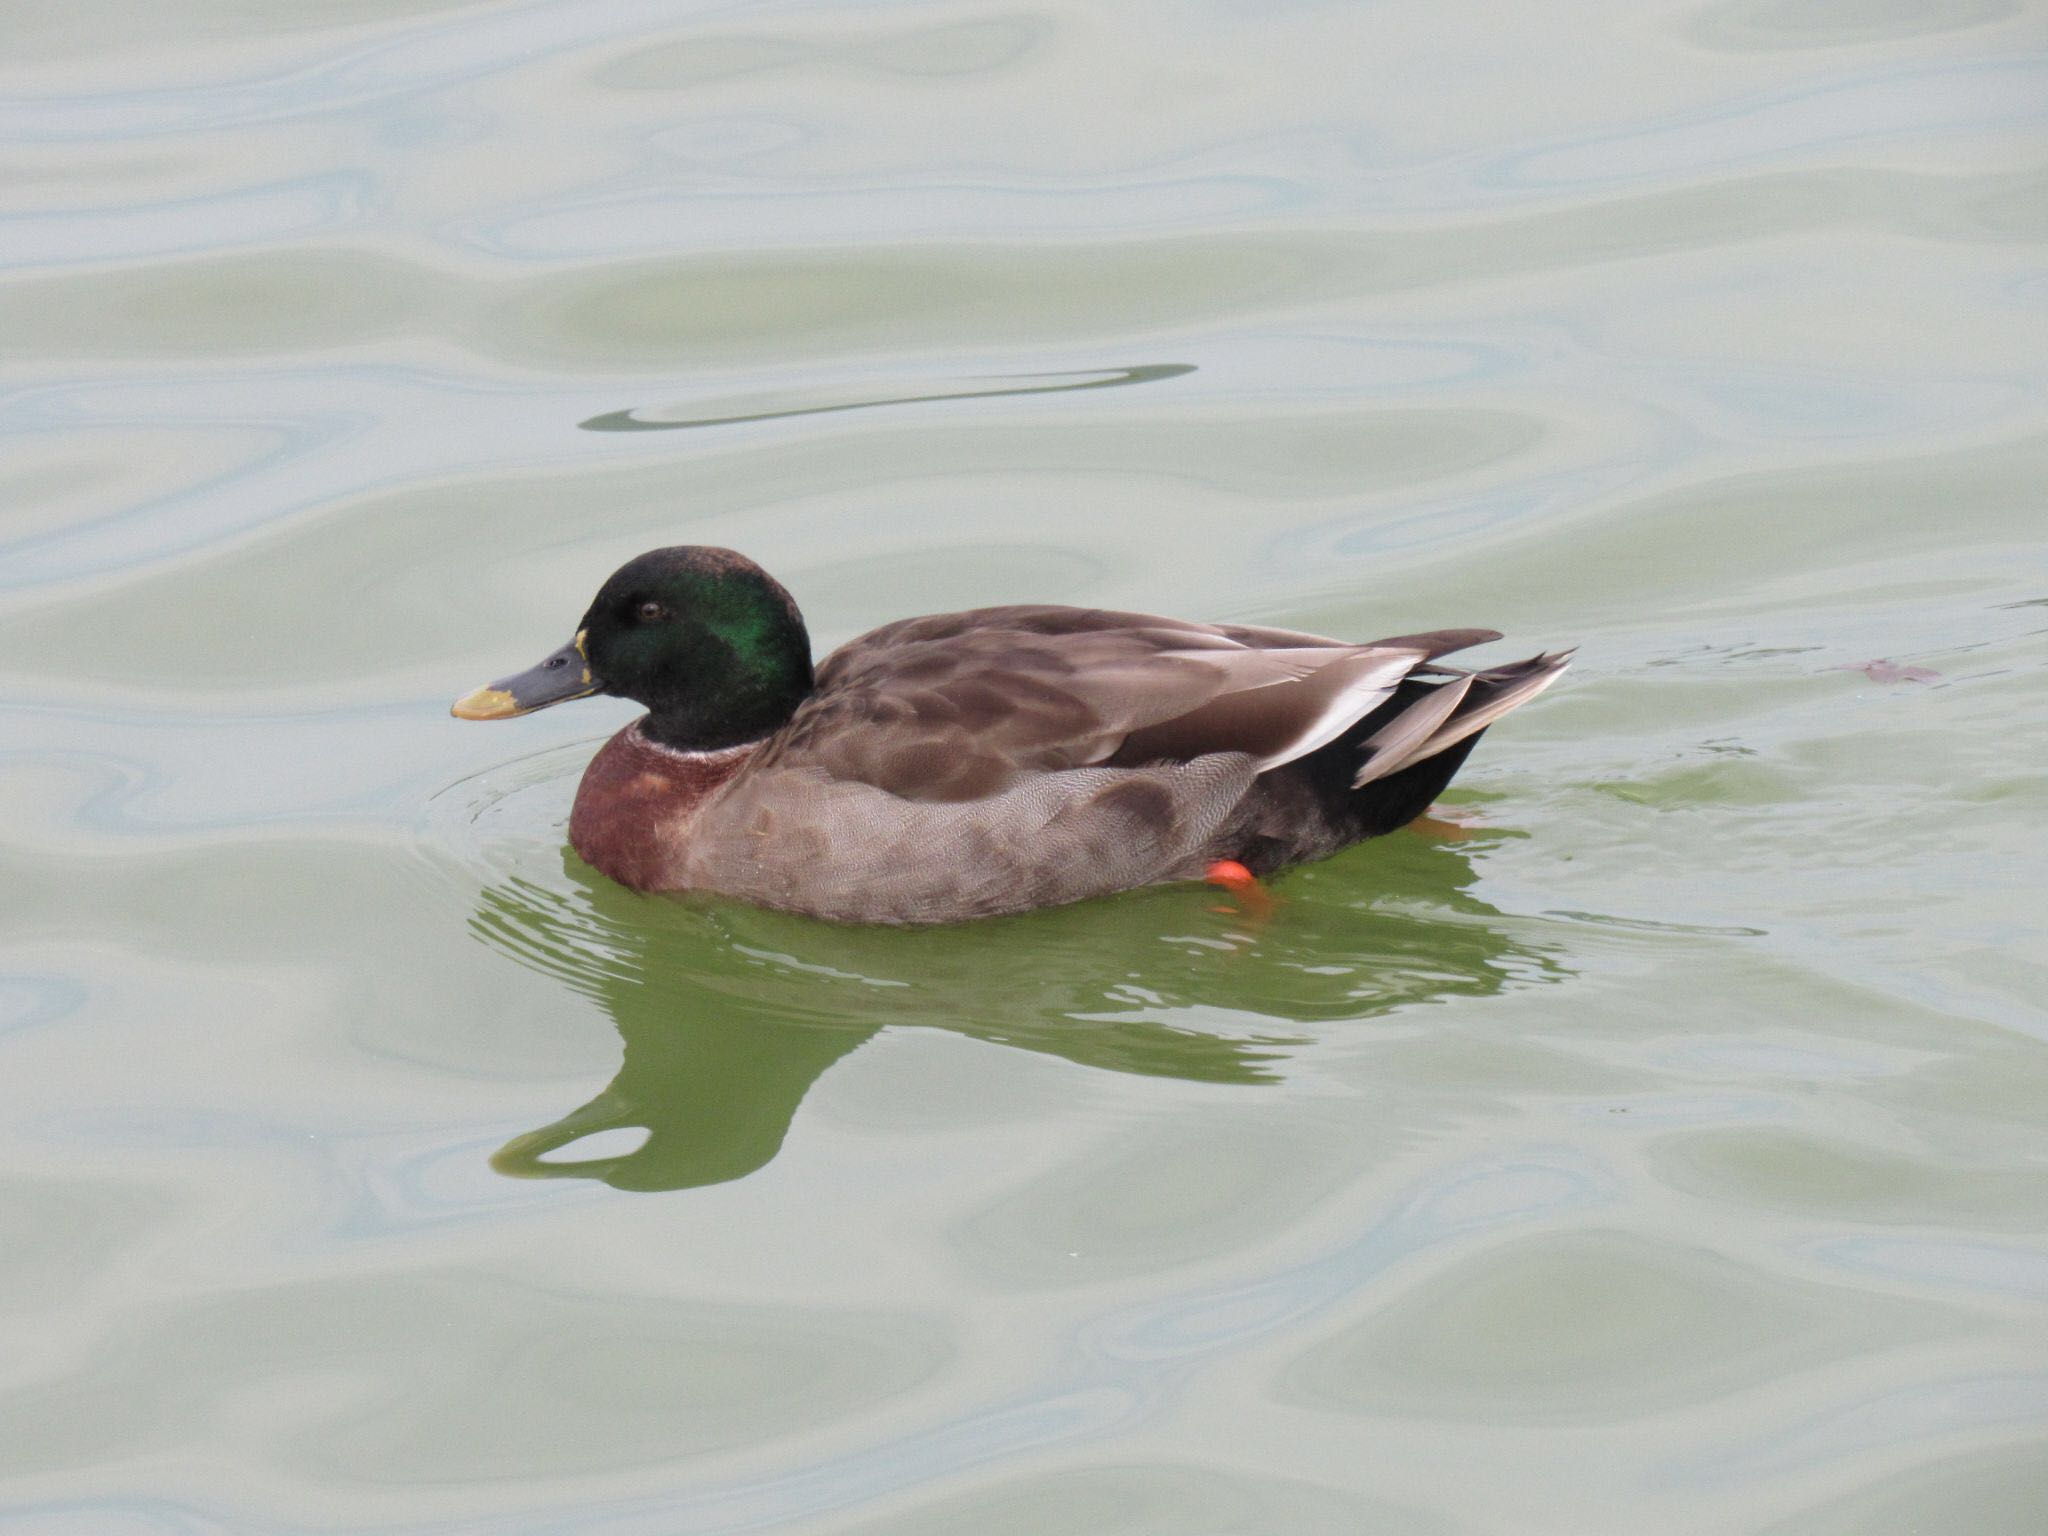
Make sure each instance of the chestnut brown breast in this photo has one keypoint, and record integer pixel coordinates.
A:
(636, 802)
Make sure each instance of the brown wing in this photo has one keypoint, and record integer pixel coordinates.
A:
(954, 706)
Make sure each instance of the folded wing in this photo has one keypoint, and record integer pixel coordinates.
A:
(955, 706)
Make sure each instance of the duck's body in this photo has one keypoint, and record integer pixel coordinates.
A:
(967, 764)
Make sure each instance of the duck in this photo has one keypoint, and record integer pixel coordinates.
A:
(966, 765)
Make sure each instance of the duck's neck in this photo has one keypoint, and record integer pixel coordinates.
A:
(712, 722)
(713, 694)
(637, 799)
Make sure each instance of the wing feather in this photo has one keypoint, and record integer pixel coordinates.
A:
(953, 707)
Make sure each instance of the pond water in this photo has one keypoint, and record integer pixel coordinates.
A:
(1663, 1154)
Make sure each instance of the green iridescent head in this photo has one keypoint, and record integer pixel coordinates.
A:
(706, 639)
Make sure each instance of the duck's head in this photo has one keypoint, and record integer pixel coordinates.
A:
(706, 639)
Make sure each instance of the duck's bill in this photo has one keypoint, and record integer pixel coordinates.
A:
(562, 676)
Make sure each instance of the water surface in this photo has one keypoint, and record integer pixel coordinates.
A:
(1661, 1155)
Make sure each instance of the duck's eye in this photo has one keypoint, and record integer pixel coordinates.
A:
(652, 613)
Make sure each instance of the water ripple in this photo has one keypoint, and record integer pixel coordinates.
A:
(774, 406)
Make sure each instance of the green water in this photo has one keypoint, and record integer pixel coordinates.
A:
(1665, 1155)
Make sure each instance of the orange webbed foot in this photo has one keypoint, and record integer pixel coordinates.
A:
(1254, 900)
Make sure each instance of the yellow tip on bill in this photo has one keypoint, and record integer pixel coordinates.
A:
(484, 704)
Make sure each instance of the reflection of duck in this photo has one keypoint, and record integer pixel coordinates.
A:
(998, 760)
(729, 1014)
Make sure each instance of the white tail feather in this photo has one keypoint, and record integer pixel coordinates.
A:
(1479, 719)
(1404, 738)
(1362, 680)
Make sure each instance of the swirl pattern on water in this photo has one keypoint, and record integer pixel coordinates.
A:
(1657, 1158)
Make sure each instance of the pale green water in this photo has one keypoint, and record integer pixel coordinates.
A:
(1667, 1157)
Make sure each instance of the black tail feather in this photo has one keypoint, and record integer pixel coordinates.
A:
(1382, 805)
(1385, 804)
